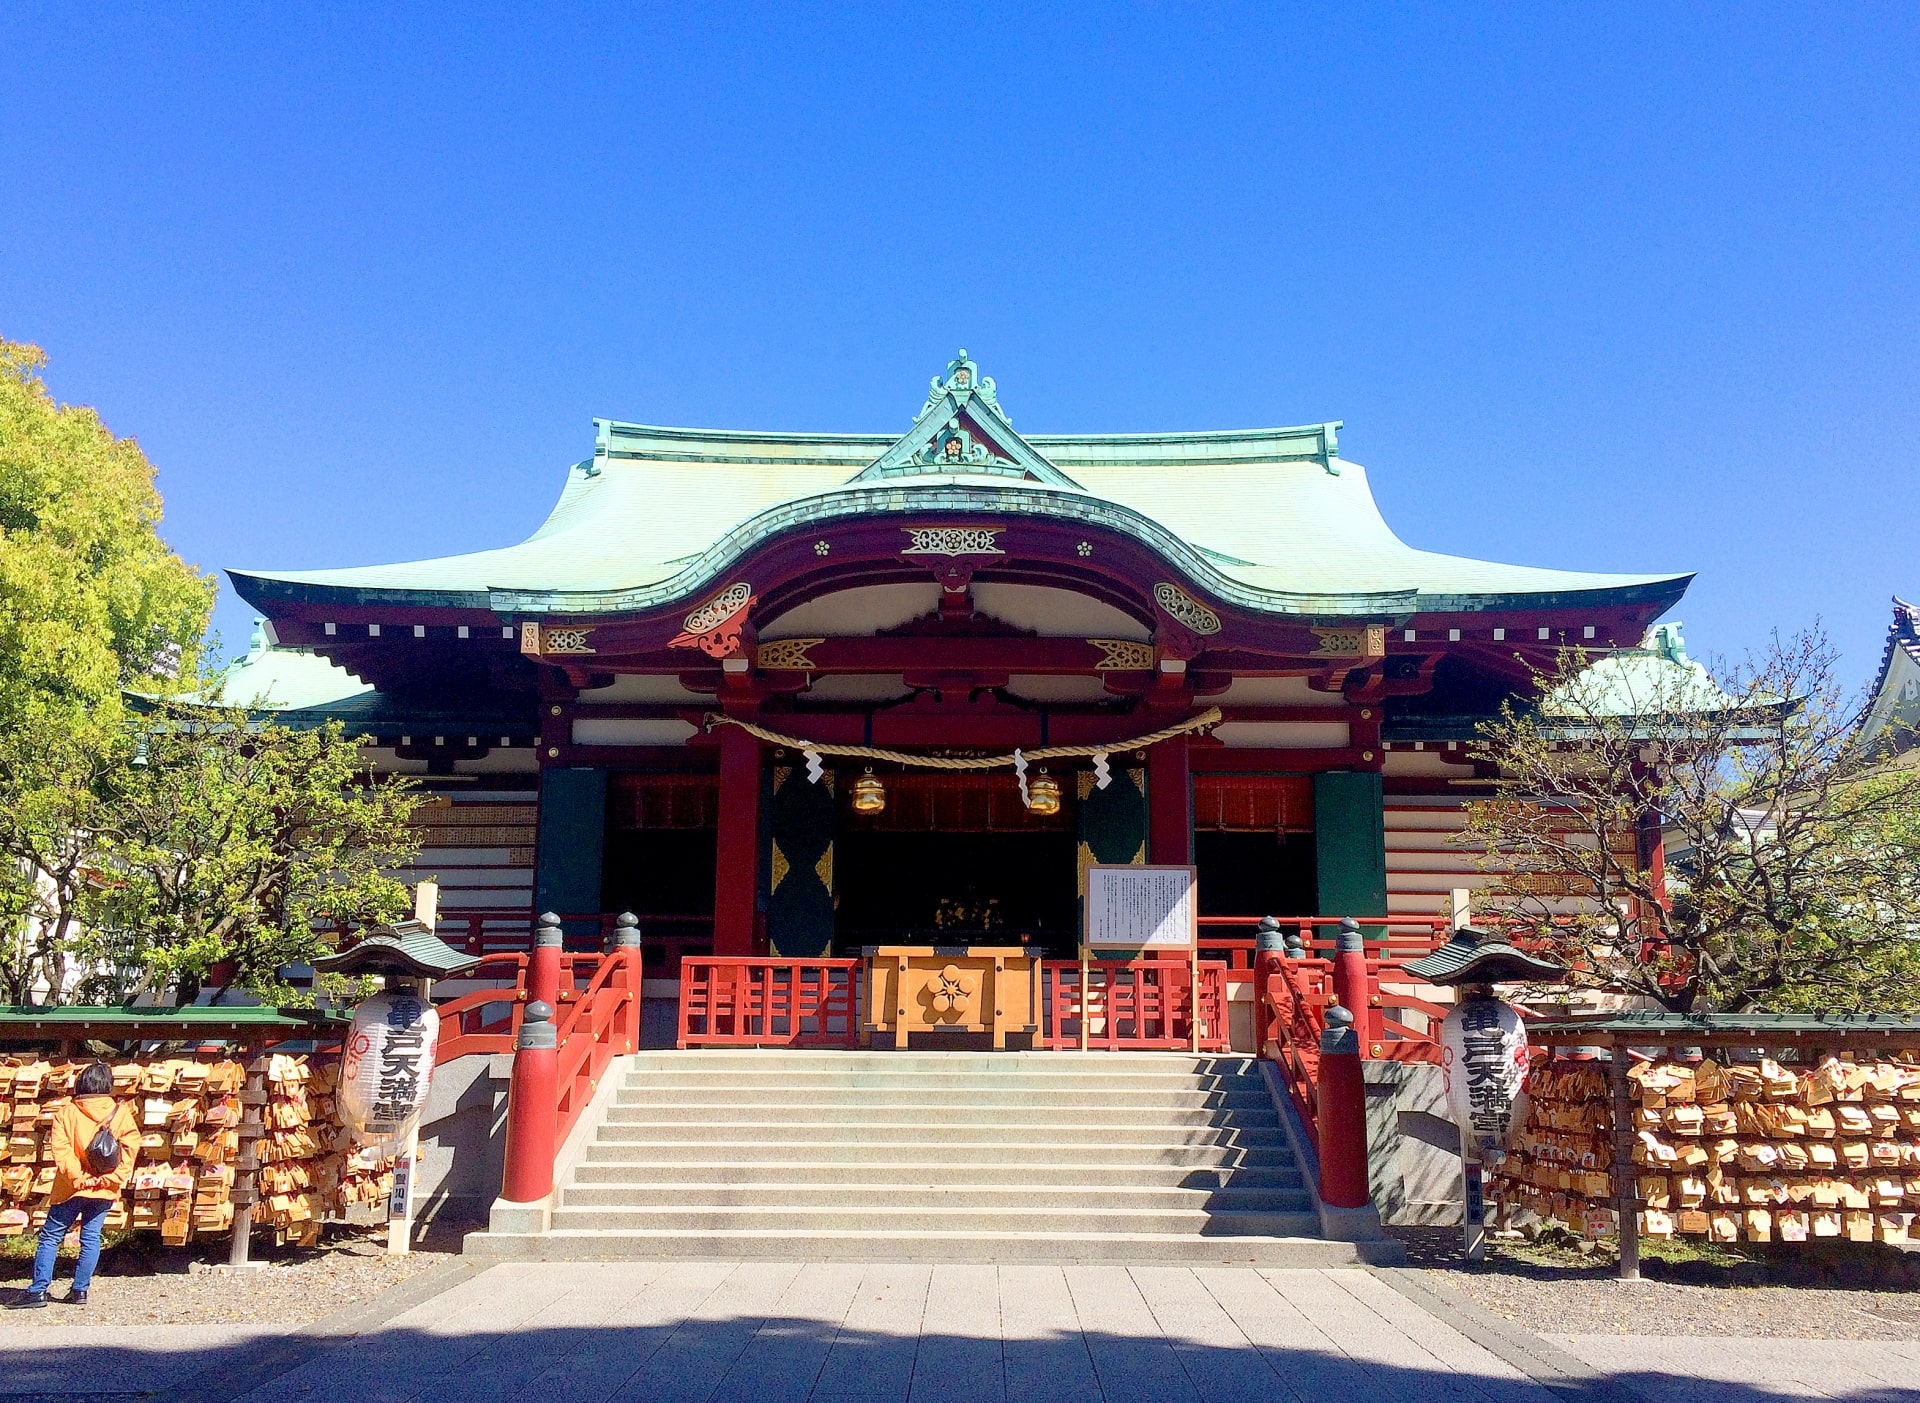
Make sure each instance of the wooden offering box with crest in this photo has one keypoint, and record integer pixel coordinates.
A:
(948, 995)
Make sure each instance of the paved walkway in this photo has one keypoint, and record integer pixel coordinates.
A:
(763, 1332)
(1675, 1369)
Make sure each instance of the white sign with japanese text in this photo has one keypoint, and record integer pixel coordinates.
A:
(1142, 908)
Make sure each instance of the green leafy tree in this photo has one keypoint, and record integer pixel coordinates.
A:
(1794, 879)
(245, 845)
(91, 602)
(91, 599)
(53, 782)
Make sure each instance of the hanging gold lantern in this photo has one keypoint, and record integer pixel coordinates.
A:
(1043, 794)
(869, 795)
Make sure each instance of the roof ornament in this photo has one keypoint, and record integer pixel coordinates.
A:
(963, 381)
(955, 445)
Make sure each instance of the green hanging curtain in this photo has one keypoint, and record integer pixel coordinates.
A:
(1113, 821)
(800, 866)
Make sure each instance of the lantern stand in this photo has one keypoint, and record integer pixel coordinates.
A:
(411, 957)
(1471, 963)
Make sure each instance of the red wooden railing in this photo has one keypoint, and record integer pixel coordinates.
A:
(487, 1020)
(1289, 1017)
(1135, 1005)
(740, 1002)
(1390, 937)
(509, 930)
(602, 1023)
(484, 1020)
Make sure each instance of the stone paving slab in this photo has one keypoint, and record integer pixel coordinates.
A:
(81, 1359)
(838, 1332)
(1736, 1369)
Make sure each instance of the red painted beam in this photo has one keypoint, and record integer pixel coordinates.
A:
(1169, 802)
(737, 856)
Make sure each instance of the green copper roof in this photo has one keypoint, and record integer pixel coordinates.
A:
(405, 947)
(1633, 681)
(1271, 519)
(271, 678)
(188, 1020)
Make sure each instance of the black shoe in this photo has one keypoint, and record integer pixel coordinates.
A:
(33, 1300)
(76, 1298)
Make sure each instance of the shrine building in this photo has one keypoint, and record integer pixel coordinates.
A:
(733, 681)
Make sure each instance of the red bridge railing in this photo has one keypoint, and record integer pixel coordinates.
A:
(509, 930)
(1133, 1005)
(750, 1002)
(601, 1023)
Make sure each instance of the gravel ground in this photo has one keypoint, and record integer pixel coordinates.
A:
(140, 1283)
(1842, 1300)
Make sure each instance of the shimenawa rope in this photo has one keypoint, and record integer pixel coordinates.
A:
(1209, 717)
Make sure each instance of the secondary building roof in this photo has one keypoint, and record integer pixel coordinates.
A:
(1271, 519)
(1892, 722)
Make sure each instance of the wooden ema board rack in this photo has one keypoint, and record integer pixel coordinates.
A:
(190, 1114)
(1729, 1151)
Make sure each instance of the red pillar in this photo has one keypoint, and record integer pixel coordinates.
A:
(737, 865)
(1653, 853)
(1341, 1097)
(1169, 803)
(1354, 987)
(533, 1105)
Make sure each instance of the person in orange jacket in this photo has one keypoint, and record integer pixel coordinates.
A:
(79, 1194)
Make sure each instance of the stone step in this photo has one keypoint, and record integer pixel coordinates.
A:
(878, 1133)
(935, 1156)
(961, 1083)
(1182, 1249)
(996, 1151)
(836, 1093)
(672, 1199)
(918, 1113)
(994, 1064)
(904, 1222)
(649, 1173)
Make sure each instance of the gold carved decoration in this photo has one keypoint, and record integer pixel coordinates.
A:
(1185, 610)
(536, 641)
(1123, 655)
(714, 628)
(719, 609)
(1366, 641)
(953, 540)
(787, 655)
(951, 992)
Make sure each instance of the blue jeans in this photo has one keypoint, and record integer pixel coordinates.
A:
(91, 1212)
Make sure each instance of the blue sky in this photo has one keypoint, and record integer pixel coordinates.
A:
(1599, 287)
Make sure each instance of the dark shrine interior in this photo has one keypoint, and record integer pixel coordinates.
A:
(956, 889)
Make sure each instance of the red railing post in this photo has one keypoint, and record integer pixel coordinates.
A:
(1269, 944)
(1353, 985)
(626, 946)
(543, 966)
(1341, 1095)
(533, 1100)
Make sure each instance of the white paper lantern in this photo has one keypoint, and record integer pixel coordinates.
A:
(388, 1065)
(1483, 1057)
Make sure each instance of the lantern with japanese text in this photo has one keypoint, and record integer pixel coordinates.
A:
(387, 1065)
(1483, 1041)
(1483, 1057)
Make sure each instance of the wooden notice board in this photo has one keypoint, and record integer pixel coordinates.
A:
(1152, 907)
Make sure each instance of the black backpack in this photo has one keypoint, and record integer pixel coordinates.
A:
(103, 1150)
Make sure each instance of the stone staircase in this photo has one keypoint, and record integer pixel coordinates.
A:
(933, 1156)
